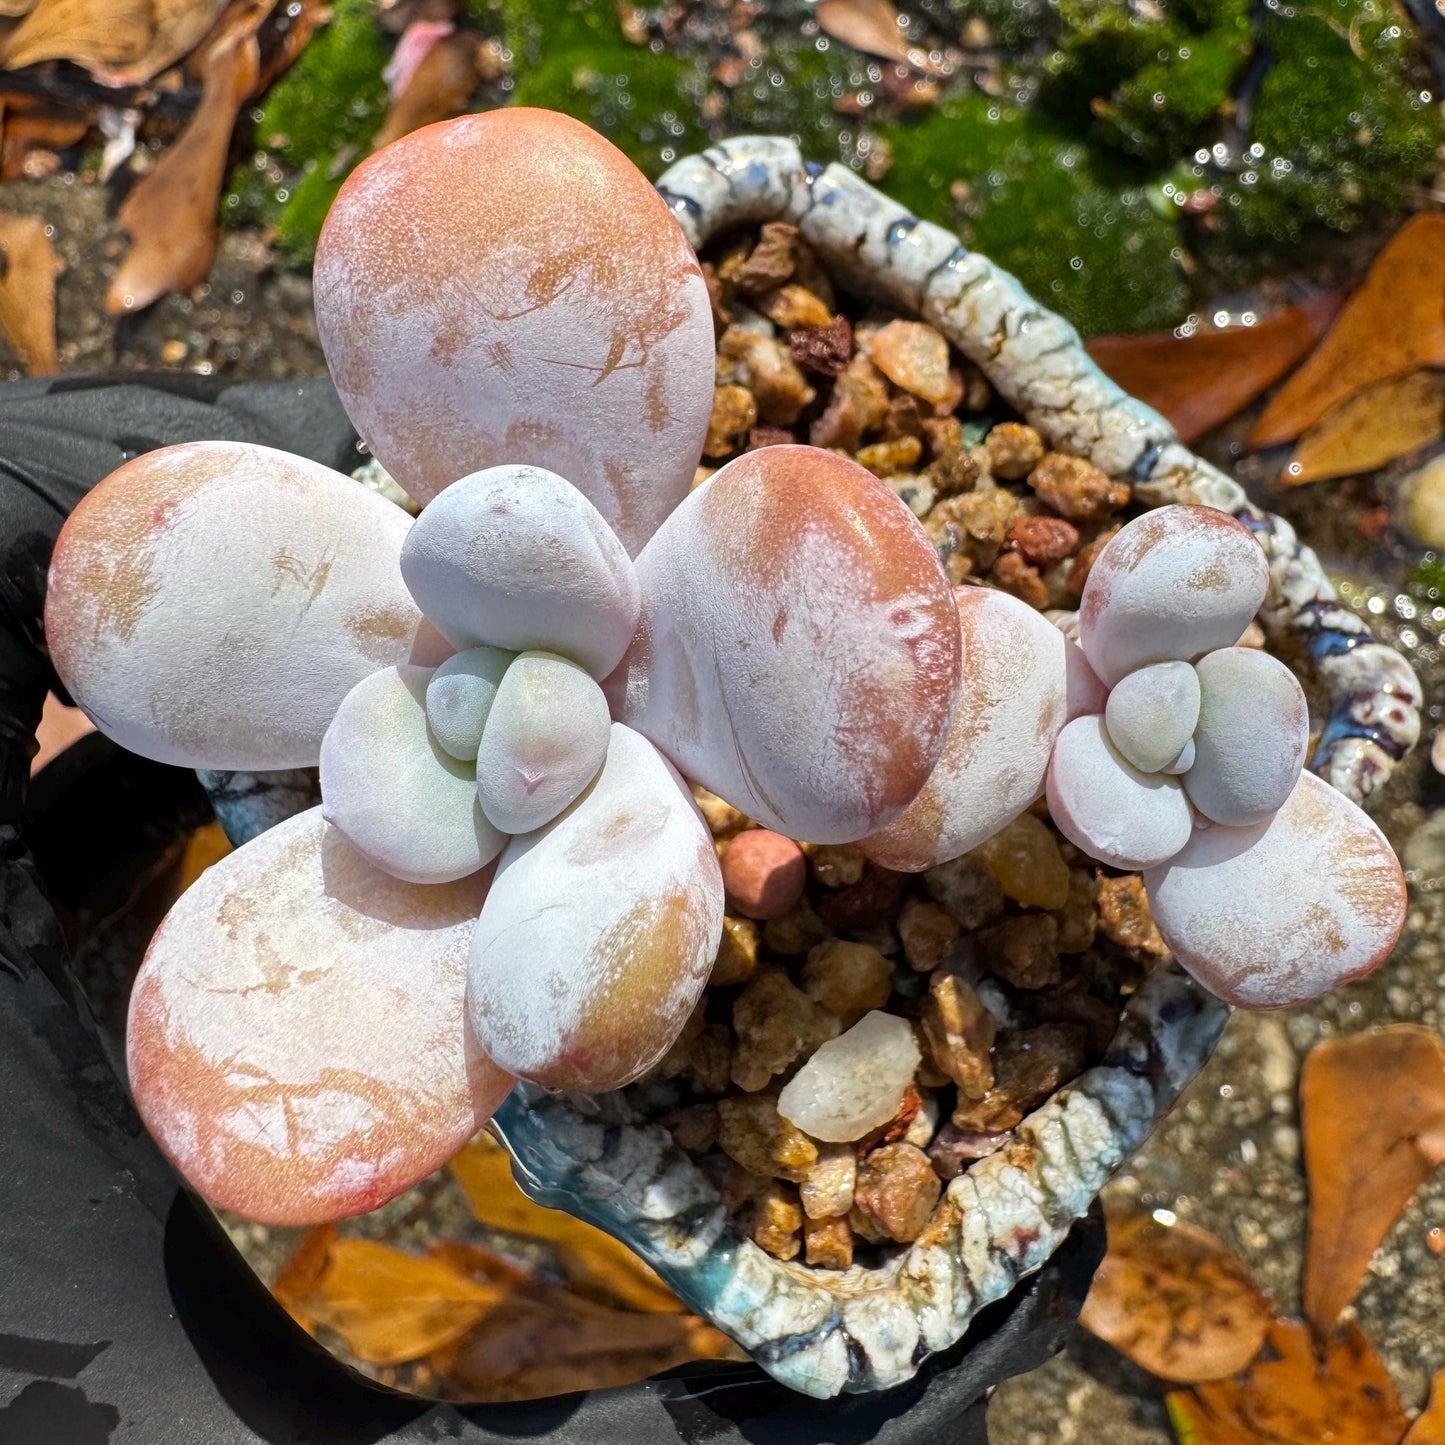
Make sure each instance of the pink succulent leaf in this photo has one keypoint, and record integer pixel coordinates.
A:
(396, 794)
(1085, 694)
(1151, 714)
(1170, 585)
(428, 647)
(1253, 734)
(509, 288)
(516, 557)
(211, 604)
(298, 1043)
(1103, 804)
(798, 648)
(600, 930)
(1282, 911)
(1012, 700)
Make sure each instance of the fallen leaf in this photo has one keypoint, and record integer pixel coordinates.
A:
(1394, 323)
(873, 27)
(1374, 426)
(437, 89)
(596, 1265)
(28, 268)
(59, 727)
(1372, 1112)
(29, 123)
(125, 42)
(207, 845)
(389, 1306)
(171, 213)
(1175, 1301)
(1347, 1398)
(1429, 1426)
(1201, 380)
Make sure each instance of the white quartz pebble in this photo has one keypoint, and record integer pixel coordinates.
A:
(545, 739)
(459, 697)
(1151, 714)
(517, 557)
(1252, 736)
(854, 1083)
(1107, 807)
(1170, 585)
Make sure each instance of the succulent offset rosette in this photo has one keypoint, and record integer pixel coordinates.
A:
(507, 875)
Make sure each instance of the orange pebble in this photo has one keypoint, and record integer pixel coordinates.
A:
(763, 873)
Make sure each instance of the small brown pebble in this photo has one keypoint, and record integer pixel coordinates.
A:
(864, 1227)
(858, 405)
(953, 468)
(929, 934)
(772, 260)
(924, 1124)
(836, 865)
(755, 1135)
(915, 492)
(1014, 450)
(774, 378)
(776, 1024)
(737, 955)
(796, 931)
(763, 874)
(905, 418)
(985, 514)
(828, 1186)
(721, 316)
(897, 1127)
(1042, 540)
(897, 1191)
(1079, 917)
(1077, 489)
(1013, 575)
(722, 819)
(733, 413)
(1024, 860)
(912, 355)
(828, 1243)
(734, 1184)
(960, 1033)
(792, 306)
(1028, 1065)
(954, 1149)
(888, 458)
(1252, 636)
(873, 899)
(1072, 1003)
(847, 979)
(693, 1128)
(1084, 561)
(1125, 918)
(710, 1062)
(775, 1221)
(977, 393)
(824, 350)
(674, 1061)
(965, 889)
(769, 436)
(1023, 951)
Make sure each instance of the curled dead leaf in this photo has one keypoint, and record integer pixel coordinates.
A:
(1374, 426)
(1201, 380)
(1372, 1110)
(29, 123)
(1394, 323)
(1175, 1300)
(1429, 1426)
(874, 27)
(438, 88)
(27, 292)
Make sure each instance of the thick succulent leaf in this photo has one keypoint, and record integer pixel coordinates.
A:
(600, 929)
(1012, 702)
(518, 558)
(1283, 911)
(798, 650)
(1253, 733)
(397, 794)
(211, 604)
(298, 1042)
(507, 287)
(1169, 586)
(1151, 714)
(1102, 803)
(460, 695)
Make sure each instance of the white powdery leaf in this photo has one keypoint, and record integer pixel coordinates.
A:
(1151, 714)
(508, 287)
(1170, 585)
(600, 930)
(517, 558)
(1102, 803)
(1253, 734)
(798, 649)
(1280, 912)
(211, 604)
(460, 695)
(297, 1041)
(399, 797)
(854, 1083)
(545, 739)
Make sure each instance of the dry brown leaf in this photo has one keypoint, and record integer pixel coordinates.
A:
(171, 213)
(438, 90)
(1373, 427)
(389, 1306)
(1372, 1111)
(1394, 323)
(59, 727)
(1347, 1398)
(28, 123)
(207, 845)
(1175, 1301)
(1429, 1426)
(1199, 381)
(871, 26)
(28, 268)
(126, 42)
(595, 1264)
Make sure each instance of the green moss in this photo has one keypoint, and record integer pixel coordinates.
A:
(1077, 229)
(1427, 578)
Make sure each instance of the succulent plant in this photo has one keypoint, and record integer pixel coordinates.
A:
(507, 875)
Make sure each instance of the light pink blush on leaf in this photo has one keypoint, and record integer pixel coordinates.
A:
(1278, 913)
(798, 649)
(211, 604)
(297, 1042)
